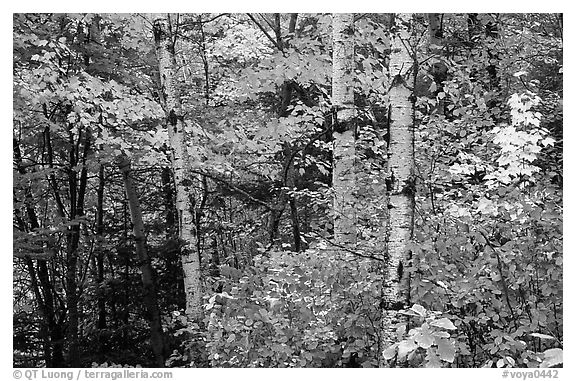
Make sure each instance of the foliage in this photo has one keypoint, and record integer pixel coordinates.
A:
(294, 310)
(486, 269)
(429, 343)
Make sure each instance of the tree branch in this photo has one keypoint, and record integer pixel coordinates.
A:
(234, 188)
(295, 152)
(499, 266)
(274, 42)
(354, 252)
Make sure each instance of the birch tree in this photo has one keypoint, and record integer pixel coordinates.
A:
(343, 176)
(400, 181)
(185, 201)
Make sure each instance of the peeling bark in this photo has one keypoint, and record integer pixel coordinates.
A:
(343, 175)
(400, 182)
(185, 200)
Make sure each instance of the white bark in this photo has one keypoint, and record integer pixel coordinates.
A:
(180, 164)
(400, 180)
(343, 175)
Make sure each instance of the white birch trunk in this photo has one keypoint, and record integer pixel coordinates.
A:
(343, 175)
(400, 182)
(180, 165)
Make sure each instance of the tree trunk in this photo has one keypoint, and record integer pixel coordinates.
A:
(438, 68)
(343, 175)
(100, 252)
(292, 201)
(478, 31)
(77, 188)
(185, 200)
(435, 28)
(147, 272)
(288, 172)
(400, 181)
(41, 283)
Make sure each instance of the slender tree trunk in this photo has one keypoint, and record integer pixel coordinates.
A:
(438, 68)
(288, 173)
(185, 200)
(100, 252)
(41, 283)
(101, 324)
(205, 64)
(292, 25)
(146, 270)
(343, 175)
(479, 31)
(168, 192)
(77, 187)
(292, 202)
(400, 181)
(435, 28)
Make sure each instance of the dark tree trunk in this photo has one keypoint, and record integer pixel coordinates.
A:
(146, 270)
(288, 174)
(77, 189)
(477, 31)
(42, 285)
(169, 202)
(100, 255)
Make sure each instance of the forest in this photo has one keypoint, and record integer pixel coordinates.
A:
(287, 190)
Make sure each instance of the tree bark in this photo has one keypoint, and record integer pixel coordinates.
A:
(77, 188)
(288, 172)
(41, 283)
(400, 181)
(478, 31)
(185, 200)
(146, 270)
(435, 28)
(343, 175)
(100, 252)
(438, 68)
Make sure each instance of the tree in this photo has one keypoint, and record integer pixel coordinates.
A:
(343, 175)
(147, 271)
(287, 175)
(51, 312)
(185, 199)
(400, 180)
(229, 119)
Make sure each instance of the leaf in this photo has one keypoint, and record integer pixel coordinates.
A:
(390, 352)
(548, 142)
(423, 337)
(520, 73)
(443, 323)
(542, 336)
(441, 334)
(510, 360)
(405, 347)
(432, 360)
(552, 357)
(419, 309)
(446, 350)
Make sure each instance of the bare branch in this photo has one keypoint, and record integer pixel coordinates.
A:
(265, 32)
(233, 187)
